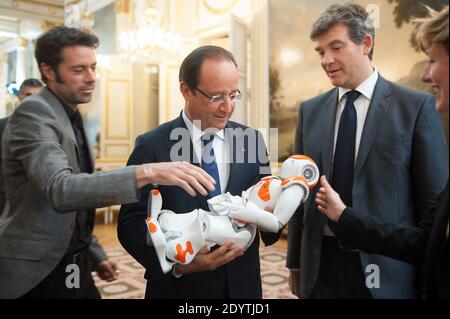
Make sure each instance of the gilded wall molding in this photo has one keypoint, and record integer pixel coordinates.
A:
(122, 6)
(219, 7)
(47, 25)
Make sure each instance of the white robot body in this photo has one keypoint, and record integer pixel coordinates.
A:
(271, 202)
(265, 193)
(269, 205)
(218, 230)
(185, 247)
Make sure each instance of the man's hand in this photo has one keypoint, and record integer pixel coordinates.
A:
(208, 261)
(183, 174)
(328, 201)
(108, 270)
(294, 282)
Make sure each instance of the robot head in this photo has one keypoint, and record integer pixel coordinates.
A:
(303, 166)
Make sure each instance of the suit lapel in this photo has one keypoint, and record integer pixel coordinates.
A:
(378, 108)
(180, 129)
(66, 126)
(232, 142)
(328, 136)
(180, 138)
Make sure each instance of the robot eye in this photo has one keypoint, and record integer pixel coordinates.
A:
(308, 173)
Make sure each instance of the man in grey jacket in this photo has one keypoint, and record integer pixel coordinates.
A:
(49, 181)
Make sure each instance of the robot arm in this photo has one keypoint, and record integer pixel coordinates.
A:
(299, 174)
(252, 214)
(288, 203)
(292, 196)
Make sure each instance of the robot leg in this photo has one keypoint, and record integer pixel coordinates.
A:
(219, 229)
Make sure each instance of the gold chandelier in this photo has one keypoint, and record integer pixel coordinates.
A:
(147, 41)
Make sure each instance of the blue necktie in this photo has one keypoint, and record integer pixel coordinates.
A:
(209, 163)
(344, 156)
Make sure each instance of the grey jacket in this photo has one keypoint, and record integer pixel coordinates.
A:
(44, 189)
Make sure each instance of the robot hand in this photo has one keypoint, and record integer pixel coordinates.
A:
(221, 204)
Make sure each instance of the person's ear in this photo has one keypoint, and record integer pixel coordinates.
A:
(185, 91)
(367, 44)
(48, 72)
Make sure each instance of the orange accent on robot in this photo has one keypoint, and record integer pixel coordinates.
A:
(181, 256)
(301, 157)
(293, 179)
(264, 191)
(152, 226)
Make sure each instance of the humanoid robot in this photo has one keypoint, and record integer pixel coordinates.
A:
(269, 204)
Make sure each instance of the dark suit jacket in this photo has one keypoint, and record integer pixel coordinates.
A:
(401, 168)
(238, 279)
(3, 122)
(424, 244)
(437, 255)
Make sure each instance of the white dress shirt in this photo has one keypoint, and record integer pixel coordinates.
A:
(220, 150)
(361, 104)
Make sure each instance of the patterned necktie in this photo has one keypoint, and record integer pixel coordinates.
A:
(209, 163)
(344, 156)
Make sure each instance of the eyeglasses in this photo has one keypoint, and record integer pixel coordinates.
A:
(222, 98)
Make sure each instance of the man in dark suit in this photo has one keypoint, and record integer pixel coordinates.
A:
(27, 88)
(50, 185)
(382, 147)
(209, 83)
(424, 243)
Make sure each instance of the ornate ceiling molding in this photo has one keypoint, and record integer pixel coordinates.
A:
(35, 10)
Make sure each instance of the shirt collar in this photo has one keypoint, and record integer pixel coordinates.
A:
(197, 133)
(69, 110)
(366, 88)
